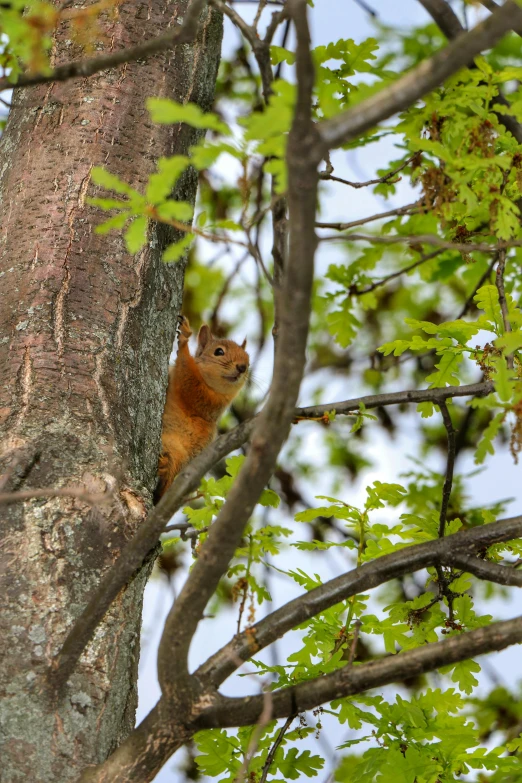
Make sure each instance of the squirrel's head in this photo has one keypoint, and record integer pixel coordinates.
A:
(222, 363)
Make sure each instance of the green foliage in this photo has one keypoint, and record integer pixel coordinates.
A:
(409, 314)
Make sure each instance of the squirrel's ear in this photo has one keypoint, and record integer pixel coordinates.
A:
(204, 337)
(243, 344)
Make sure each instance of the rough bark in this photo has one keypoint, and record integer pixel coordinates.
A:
(85, 334)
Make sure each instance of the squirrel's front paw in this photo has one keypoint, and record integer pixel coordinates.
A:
(184, 330)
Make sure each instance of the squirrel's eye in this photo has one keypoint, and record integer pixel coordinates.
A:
(219, 352)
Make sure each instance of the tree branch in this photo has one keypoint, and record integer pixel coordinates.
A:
(450, 464)
(492, 572)
(406, 210)
(182, 34)
(396, 398)
(429, 74)
(187, 481)
(398, 273)
(132, 557)
(271, 753)
(356, 679)
(458, 550)
(444, 17)
(327, 175)
(274, 422)
(427, 239)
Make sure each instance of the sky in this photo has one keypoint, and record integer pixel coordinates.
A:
(332, 19)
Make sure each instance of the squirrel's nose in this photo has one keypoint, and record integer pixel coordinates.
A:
(241, 368)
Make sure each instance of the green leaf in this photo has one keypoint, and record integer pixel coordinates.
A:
(426, 409)
(175, 210)
(515, 746)
(161, 184)
(136, 234)
(216, 753)
(234, 464)
(116, 222)
(178, 249)
(446, 371)
(487, 300)
(510, 341)
(165, 111)
(279, 55)
(463, 675)
(343, 325)
(504, 386)
(380, 494)
(293, 765)
(485, 445)
(111, 182)
(108, 203)
(269, 498)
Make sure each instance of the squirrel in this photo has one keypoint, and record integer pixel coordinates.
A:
(200, 388)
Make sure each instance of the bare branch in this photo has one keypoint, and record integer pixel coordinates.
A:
(182, 34)
(396, 398)
(444, 16)
(278, 18)
(386, 178)
(493, 572)
(356, 679)
(264, 719)
(499, 279)
(406, 210)
(426, 76)
(447, 551)
(271, 753)
(427, 239)
(450, 464)
(398, 273)
(353, 645)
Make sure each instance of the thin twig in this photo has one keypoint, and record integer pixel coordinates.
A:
(273, 425)
(365, 7)
(263, 721)
(428, 239)
(394, 275)
(471, 298)
(271, 753)
(406, 210)
(353, 646)
(327, 174)
(499, 280)
(443, 581)
(450, 464)
(260, 9)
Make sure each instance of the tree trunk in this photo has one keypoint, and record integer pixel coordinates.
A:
(85, 334)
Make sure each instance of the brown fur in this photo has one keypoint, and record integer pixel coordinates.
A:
(200, 389)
